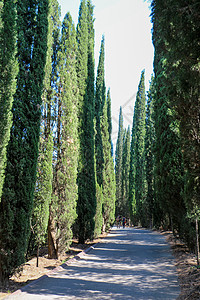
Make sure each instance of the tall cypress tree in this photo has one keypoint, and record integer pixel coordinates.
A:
(8, 71)
(63, 206)
(99, 103)
(53, 97)
(99, 208)
(43, 192)
(109, 119)
(89, 106)
(125, 173)
(137, 181)
(177, 73)
(118, 164)
(168, 154)
(86, 205)
(149, 156)
(109, 185)
(17, 197)
(132, 202)
(44, 181)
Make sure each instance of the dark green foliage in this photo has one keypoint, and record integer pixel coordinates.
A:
(104, 161)
(98, 215)
(149, 156)
(8, 73)
(100, 98)
(82, 58)
(109, 119)
(183, 65)
(43, 190)
(109, 185)
(118, 164)
(63, 206)
(44, 180)
(168, 156)
(17, 197)
(132, 203)
(51, 115)
(86, 205)
(137, 174)
(176, 65)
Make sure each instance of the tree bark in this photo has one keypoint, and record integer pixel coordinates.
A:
(38, 253)
(52, 253)
(197, 240)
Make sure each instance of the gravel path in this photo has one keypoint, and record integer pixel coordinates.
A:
(128, 264)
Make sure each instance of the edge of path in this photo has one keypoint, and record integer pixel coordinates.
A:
(58, 268)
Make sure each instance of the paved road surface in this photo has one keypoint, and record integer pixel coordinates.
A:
(128, 264)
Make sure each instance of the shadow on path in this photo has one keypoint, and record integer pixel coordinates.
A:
(128, 264)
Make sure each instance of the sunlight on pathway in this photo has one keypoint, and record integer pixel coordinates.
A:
(128, 264)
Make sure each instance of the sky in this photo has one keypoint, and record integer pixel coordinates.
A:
(127, 28)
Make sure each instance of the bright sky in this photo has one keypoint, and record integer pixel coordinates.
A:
(128, 49)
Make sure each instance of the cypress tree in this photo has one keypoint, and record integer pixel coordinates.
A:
(132, 202)
(109, 119)
(43, 192)
(86, 205)
(149, 155)
(99, 103)
(109, 185)
(177, 46)
(17, 197)
(43, 187)
(118, 164)
(137, 182)
(8, 71)
(125, 174)
(99, 208)
(168, 155)
(63, 206)
(53, 97)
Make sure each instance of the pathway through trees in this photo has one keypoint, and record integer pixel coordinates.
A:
(128, 264)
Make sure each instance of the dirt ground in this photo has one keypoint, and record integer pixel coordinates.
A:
(189, 274)
(30, 272)
(186, 265)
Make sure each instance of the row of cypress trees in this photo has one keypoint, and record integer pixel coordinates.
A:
(153, 166)
(164, 153)
(27, 23)
(134, 161)
(176, 67)
(57, 173)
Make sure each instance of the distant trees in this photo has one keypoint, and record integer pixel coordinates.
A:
(137, 171)
(125, 173)
(118, 164)
(152, 214)
(109, 187)
(122, 169)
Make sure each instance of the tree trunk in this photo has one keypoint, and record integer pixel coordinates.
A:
(38, 253)
(103, 226)
(197, 240)
(52, 253)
